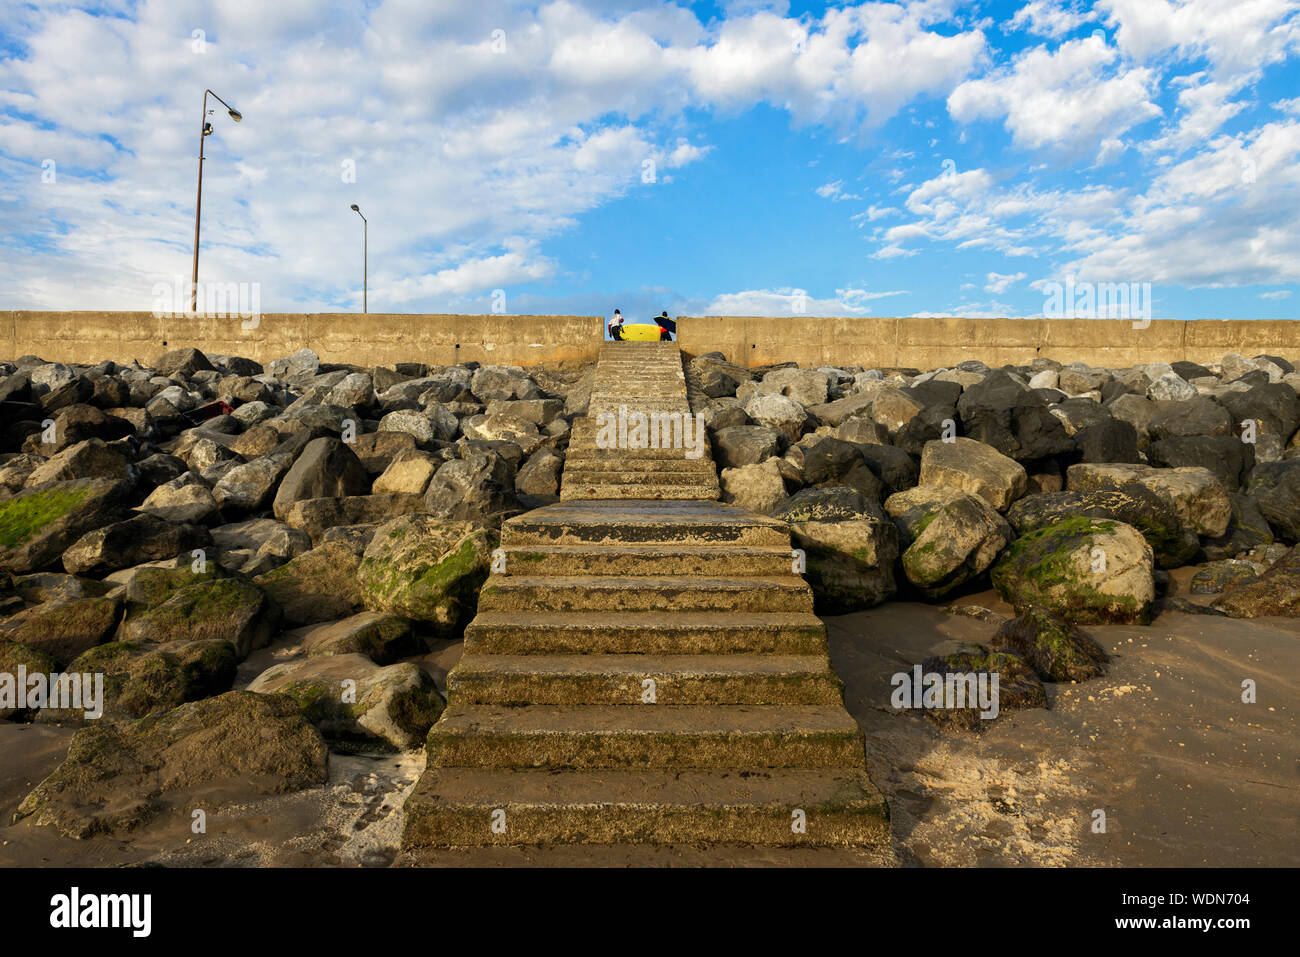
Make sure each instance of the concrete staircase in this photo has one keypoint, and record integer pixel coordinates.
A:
(644, 671)
(647, 378)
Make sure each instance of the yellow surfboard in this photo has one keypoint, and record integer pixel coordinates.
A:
(640, 332)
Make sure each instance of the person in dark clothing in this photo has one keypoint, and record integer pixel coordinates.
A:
(616, 326)
(668, 325)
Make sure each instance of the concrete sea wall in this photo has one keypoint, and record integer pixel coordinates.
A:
(375, 339)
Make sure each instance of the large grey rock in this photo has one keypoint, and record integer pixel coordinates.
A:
(326, 468)
(1083, 569)
(970, 466)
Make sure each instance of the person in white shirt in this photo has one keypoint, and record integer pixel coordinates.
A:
(616, 325)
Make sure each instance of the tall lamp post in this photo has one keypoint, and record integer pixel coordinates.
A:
(365, 255)
(204, 131)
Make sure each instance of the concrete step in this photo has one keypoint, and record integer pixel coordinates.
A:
(643, 523)
(644, 593)
(589, 456)
(666, 633)
(653, 736)
(458, 806)
(660, 473)
(636, 460)
(515, 680)
(692, 560)
(612, 493)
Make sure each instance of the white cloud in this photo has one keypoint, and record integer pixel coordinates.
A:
(998, 283)
(1063, 98)
(835, 192)
(1048, 18)
(790, 301)
(1277, 295)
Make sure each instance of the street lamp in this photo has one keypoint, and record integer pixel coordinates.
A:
(365, 243)
(204, 131)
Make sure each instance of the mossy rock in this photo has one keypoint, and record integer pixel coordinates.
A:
(318, 585)
(119, 775)
(39, 524)
(12, 657)
(65, 629)
(426, 569)
(380, 637)
(226, 609)
(153, 586)
(1019, 687)
(1054, 648)
(356, 704)
(1086, 570)
(142, 678)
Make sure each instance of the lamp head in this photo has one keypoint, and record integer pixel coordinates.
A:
(236, 115)
(356, 208)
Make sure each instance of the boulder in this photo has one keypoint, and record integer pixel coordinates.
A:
(758, 488)
(826, 504)
(949, 536)
(250, 487)
(1084, 569)
(1002, 413)
(356, 704)
(970, 466)
(327, 468)
(135, 541)
(316, 516)
(740, 445)
(503, 382)
(1173, 543)
(318, 585)
(476, 488)
(540, 475)
(62, 630)
(186, 500)
(1199, 499)
(382, 638)
(1276, 592)
(39, 523)
(426, 569)
(830, 461)
(849, 563)
(1052, 646)
(409, 472)
(786, 416)
(1019, 686)
(142, 678)
(224, 609)
(119, 776)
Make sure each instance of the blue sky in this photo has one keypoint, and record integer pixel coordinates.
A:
(926, 158)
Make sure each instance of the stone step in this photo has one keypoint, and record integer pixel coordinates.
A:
(652, 736)
(615, 460)
(581, 457)
(667, 633)
(457, 807)
(643, 523)
(644, 593)
(693, 560)
(515, 680)
(593, 492)
(650, 474)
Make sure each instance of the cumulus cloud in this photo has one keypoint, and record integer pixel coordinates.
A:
(794, 302)
(1065, 98)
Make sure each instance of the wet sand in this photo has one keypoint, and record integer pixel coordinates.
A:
(1187, 774)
